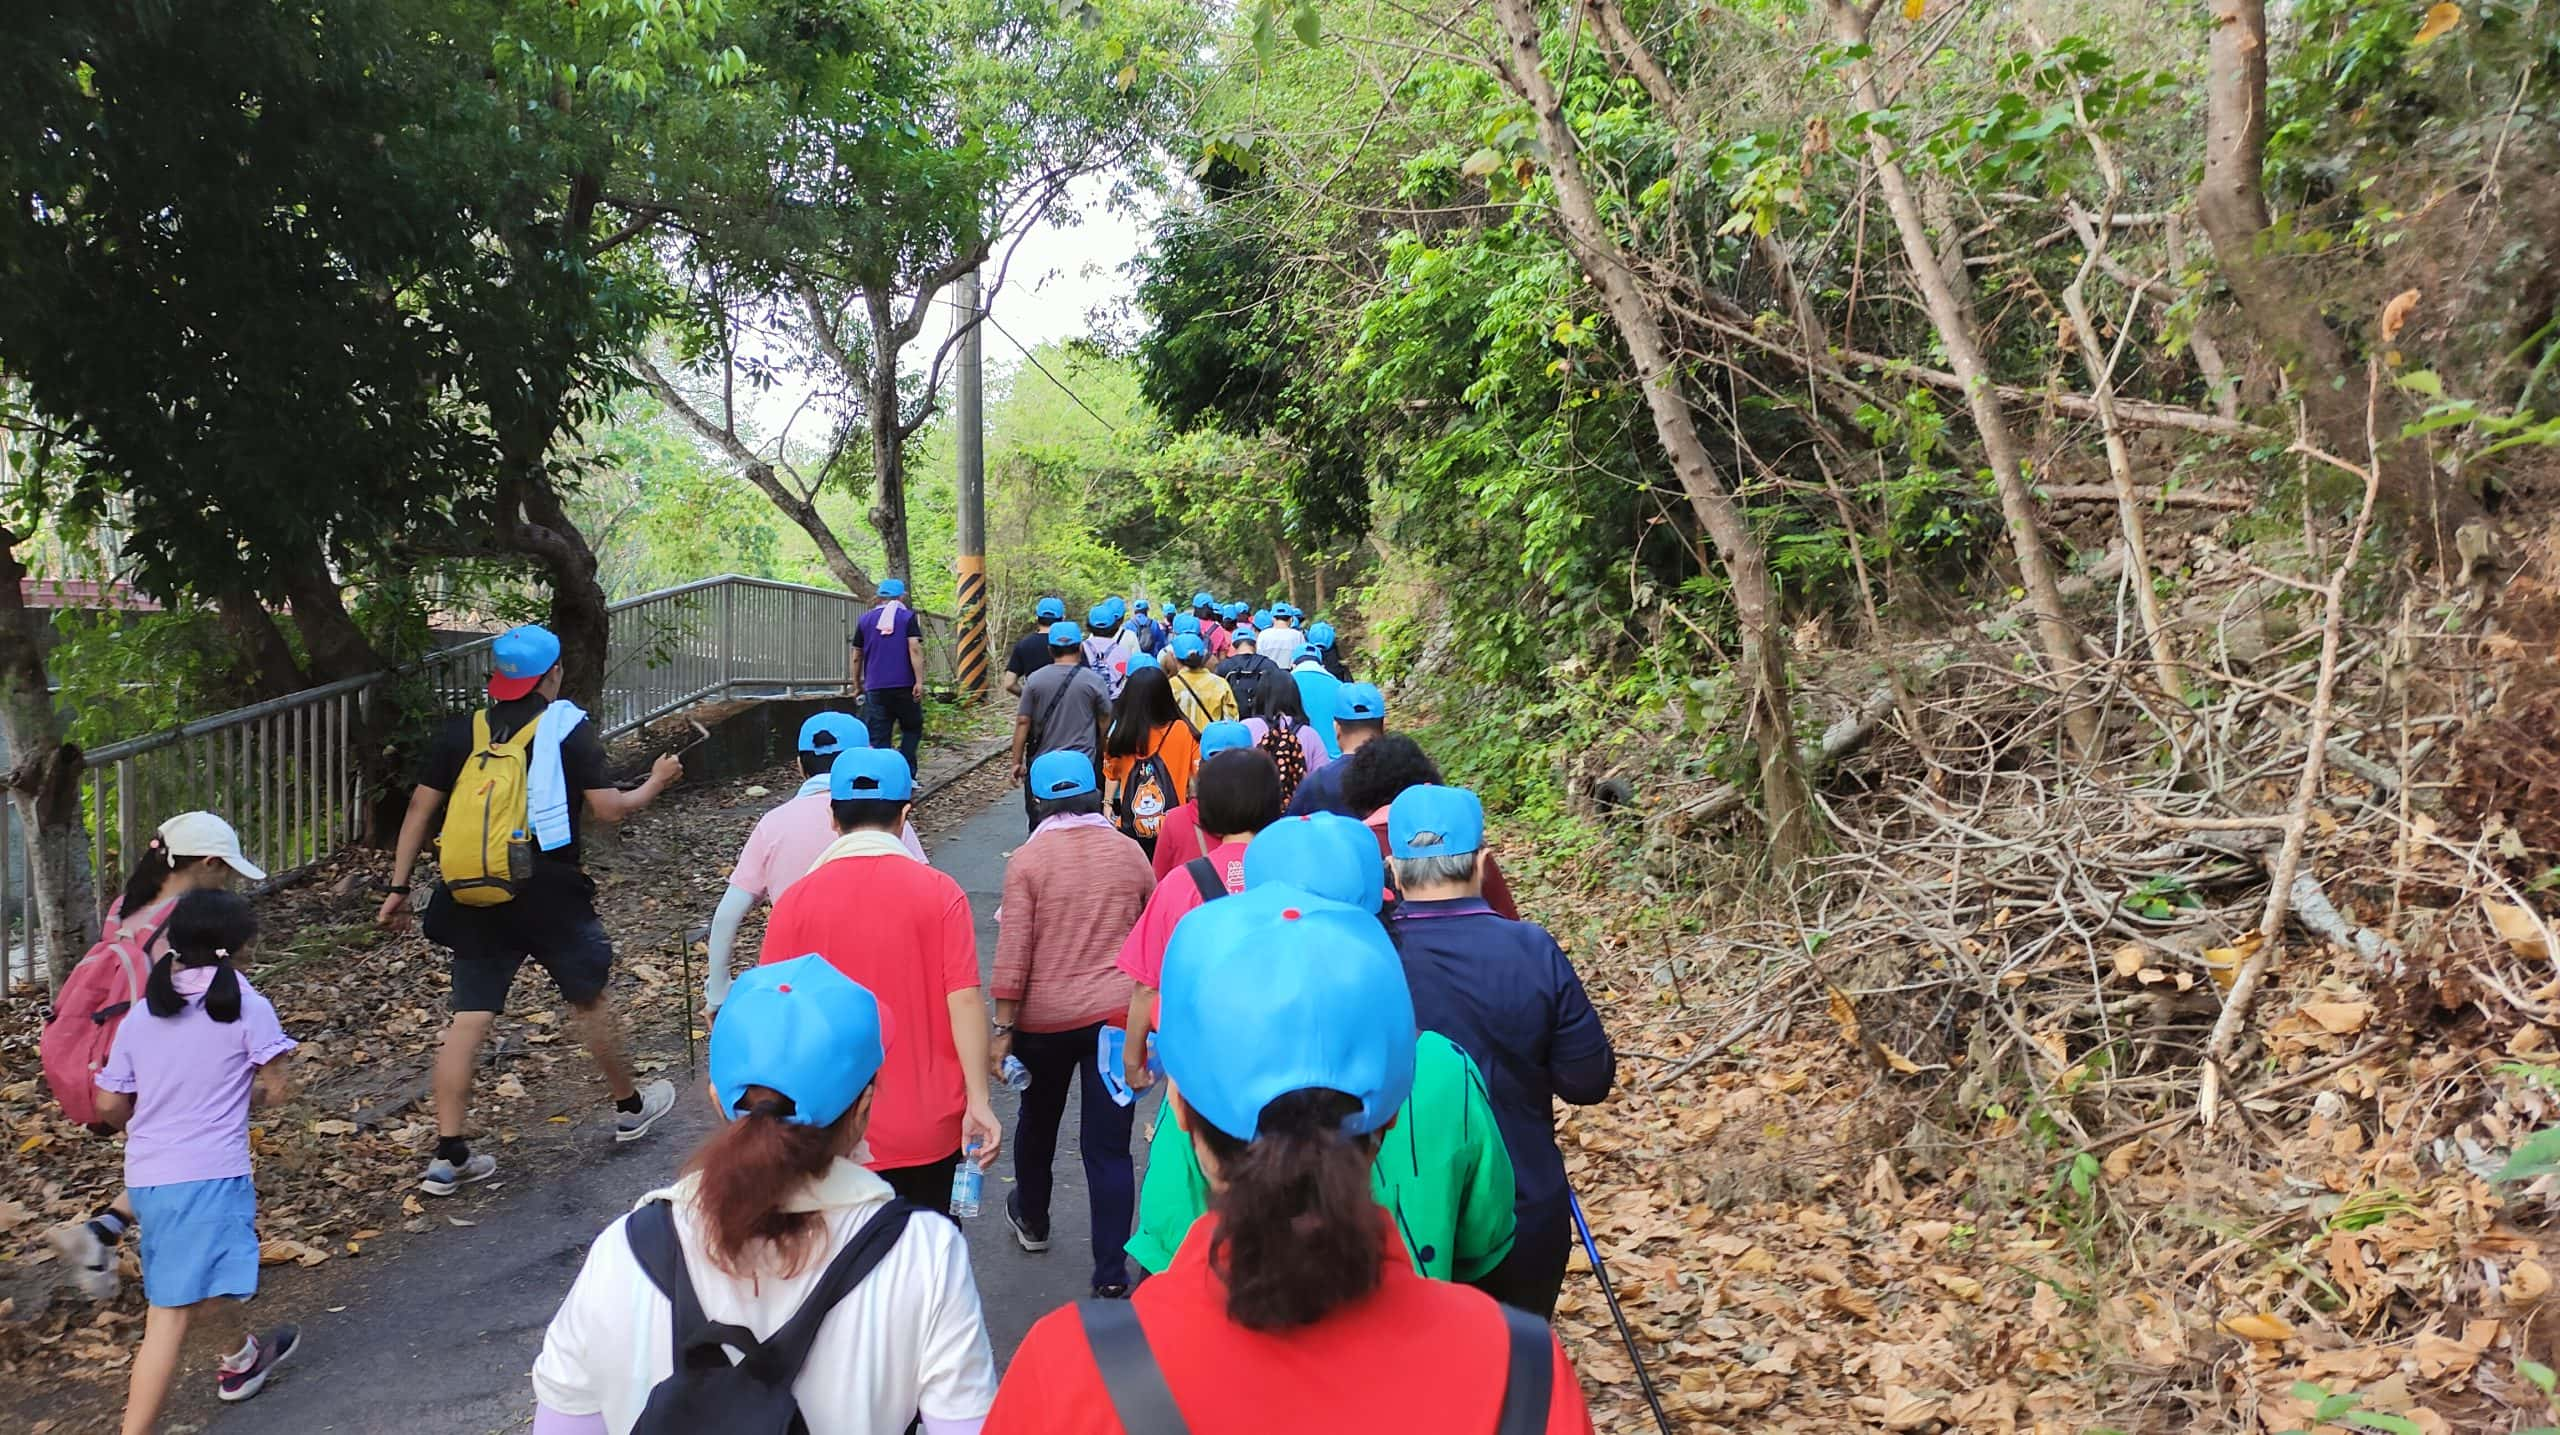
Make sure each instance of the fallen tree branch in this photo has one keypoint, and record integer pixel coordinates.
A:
(2166, 498)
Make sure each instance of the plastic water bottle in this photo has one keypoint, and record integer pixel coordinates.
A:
(1015, 1075)
(968, 1184)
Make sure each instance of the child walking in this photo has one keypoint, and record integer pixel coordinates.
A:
(181, 1079)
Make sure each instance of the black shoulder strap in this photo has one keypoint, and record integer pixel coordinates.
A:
(1529, 1387)
(1205, 876)
(780, 1357)
(1139, 1395)
(652, 1233)
(1040, 730)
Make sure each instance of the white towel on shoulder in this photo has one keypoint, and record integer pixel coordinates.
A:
(546, 790)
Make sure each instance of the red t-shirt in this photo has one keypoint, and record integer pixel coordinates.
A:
(1142, 956)
(1177, 838)
(903, 930)
(1414, 1356)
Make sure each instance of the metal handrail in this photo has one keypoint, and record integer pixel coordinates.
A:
(286, 771)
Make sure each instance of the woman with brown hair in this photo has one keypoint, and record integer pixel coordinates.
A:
(777, 1245)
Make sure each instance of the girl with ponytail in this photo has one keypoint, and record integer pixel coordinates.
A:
(1288, 1037)
(184, 1073)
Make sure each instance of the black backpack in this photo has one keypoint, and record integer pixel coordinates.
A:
(707, 1394)
(1145, 1405)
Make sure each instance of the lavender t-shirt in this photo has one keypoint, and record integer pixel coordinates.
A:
(189, 1079)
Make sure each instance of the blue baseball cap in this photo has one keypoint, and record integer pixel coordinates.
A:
(1189, 645)
(1287, 610)
(1186, 623)
(801, 1028)
(1277, 990)
(1325, 853)
(1246, 633)
(1225, 736)
(1118, 606)
(1064, 773)
(519, 659)
(1434, 821)
(1360, 702)
(1142, 605)
(871, 774)
(893, 587)
(1065, 635)
(1203, 599)
(1320, 634)
(1098, 617)
(826, 734)
(1262, 617)
(1051, 610)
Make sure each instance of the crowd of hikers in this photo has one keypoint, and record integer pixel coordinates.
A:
(1240, 888)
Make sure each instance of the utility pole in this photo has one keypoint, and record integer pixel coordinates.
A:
(972, 416)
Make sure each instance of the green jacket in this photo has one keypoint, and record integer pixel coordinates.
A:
(1442, 1170)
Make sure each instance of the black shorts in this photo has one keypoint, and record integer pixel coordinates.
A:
(553, 921)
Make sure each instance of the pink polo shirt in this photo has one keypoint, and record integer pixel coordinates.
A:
(787, 841)
(1142, 956)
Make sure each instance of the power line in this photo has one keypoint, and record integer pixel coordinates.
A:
(989, 316)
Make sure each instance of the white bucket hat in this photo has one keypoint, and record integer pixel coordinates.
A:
(201, 834)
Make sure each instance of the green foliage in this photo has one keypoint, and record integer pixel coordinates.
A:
(120, 675)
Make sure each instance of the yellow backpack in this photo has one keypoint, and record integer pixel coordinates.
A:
(485, 850)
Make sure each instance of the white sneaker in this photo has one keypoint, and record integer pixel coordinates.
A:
(87, 1258)
(656, 1100)
(443, 1178)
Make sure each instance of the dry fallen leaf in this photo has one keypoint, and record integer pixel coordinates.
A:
(2258, 1326)
(2441, 17)
(2529, 1282)
(2520, 928)
(2225, 962)
(1914, 9)
(2129, 959)
(2339, 1018)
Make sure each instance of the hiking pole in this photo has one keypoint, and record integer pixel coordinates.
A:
(685, 1000)
(1644, 1377)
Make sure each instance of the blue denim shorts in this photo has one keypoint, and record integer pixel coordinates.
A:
(199, 1240)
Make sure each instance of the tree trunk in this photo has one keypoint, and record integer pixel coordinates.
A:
(888, 439)
(1772, 724)
(338, 648)
(273, 673)
(1957, 329)
(799, 508)
(579, 618)
(2232, 205)
(44, 785)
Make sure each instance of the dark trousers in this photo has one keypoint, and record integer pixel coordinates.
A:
(1055, 1058)
(897, 708)
(1532, 1276)
(928, 1185)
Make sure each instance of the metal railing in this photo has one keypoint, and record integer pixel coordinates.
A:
(287, 774)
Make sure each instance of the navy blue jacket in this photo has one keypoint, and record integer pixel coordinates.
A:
(1321, 791)
(1507, 993)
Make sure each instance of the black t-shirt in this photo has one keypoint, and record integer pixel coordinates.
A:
(1030, 654)
(581, 759)
(1246, 673)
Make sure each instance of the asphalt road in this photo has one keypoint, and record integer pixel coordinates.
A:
(439, 1340)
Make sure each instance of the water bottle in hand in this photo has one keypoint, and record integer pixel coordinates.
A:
(1015, 1075)
(968, 1185)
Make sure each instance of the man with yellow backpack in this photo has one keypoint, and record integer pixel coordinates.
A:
(510, 780)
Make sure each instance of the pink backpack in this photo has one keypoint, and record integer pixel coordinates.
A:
(92, 1004)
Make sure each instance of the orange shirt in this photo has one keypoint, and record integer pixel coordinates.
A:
(1413, 1357)
(1178, 745)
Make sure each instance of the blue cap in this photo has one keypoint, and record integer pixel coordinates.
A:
(1203, 599)
(1065, 635)
(1064, 773)
(1326, 853)
(826, 734)
(1051, 610)
(1287, 610)
(1432, 821)
(1187, 623)
(1142, 605)
(1224, 736)
(801, 1028)
(1246, 633)
(1262, 617)
(1360, 702)
(893, 587)
(519, 659)
(1320, 634)
(1278, 990)
(871, 774)
(1118, 605)
(1099, 617)
(1189, 645)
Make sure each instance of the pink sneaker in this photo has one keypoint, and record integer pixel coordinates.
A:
(244, 1372)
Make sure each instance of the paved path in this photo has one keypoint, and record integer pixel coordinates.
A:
(439, 1340)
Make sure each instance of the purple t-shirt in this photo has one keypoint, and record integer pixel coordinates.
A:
(881, 637)
(189, 1078)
